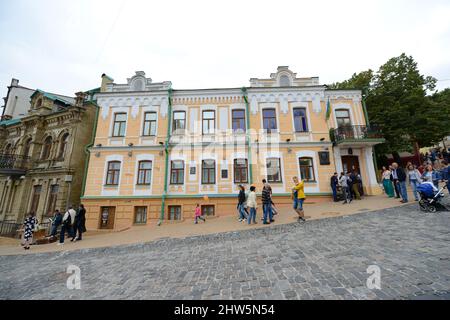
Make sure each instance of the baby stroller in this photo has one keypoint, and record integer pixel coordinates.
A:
(430, 197)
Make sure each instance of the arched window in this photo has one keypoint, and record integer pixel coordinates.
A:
(27, 147)
(46, 148)
(285, 81)
(39, 103)
(63, 146)
(343, 118)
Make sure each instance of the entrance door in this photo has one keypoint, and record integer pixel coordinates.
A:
(349, 163)
(107, 215)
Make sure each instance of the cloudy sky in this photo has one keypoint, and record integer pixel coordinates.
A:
(65, 46)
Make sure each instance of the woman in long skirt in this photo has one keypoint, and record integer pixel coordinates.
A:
(29, 225)
(387, 183)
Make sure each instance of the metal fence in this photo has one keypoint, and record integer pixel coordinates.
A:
(9, 228)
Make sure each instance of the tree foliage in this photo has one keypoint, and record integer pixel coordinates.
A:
(397, 102)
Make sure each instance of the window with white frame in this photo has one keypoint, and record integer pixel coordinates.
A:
(240, 171)
(144, 172)
(149, 124)
(300, 120)
(307, 169)
(119, 125)
(113, 173)
(208, 172)
(177, 172)
(269, 120)
(273, 166)
(209, 122)
(179, 121)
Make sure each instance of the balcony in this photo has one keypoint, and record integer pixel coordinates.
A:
(354, 136)
(14, 165)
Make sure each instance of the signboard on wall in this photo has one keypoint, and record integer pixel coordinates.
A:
(324, 158)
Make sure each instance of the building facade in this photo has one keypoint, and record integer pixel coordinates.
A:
(17, 101)
(158, 151)
(42, 155)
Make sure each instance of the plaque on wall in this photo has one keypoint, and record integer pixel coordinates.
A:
(324, 157)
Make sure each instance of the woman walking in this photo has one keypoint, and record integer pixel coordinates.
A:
(387, 183)
(198, 214)
(241, 204)
(414, 179)
(30, 224)
(251, 203)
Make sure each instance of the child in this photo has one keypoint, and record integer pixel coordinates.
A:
(198, 214)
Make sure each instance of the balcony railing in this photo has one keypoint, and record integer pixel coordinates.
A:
(344, 133)
(14, 163)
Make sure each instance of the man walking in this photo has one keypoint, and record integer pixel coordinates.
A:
(399, 178)
(80, 224)
(267, 203)
(334, 183)
(67, 224)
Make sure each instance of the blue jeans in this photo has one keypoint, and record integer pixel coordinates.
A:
(298, 203)
(268, 214)
(65, 228)
(334, 192)
(414, 185)
(242, 213)
(252, 216)
(403, 191)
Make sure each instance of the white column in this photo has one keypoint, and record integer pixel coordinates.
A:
(370, 167)
(337, 159)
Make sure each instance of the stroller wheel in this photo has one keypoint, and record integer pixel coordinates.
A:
(423, 206)
(432, 209)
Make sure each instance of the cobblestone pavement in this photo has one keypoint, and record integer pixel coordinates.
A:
(322, 259)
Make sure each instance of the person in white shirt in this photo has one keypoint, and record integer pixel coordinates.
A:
(252, 205)
(67, 224)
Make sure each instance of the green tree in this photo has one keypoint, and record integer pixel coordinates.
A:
(359, 81)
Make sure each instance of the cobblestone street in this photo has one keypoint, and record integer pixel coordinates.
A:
(322, 259)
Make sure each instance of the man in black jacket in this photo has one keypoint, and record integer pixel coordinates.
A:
(398, 176)
(334, 183)
(267, 202)
(241, 204)
(80, 224)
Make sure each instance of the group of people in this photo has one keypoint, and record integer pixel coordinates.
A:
(436, 156)
(349, 183)
(395, 179)
(73, 222)
(247, 203)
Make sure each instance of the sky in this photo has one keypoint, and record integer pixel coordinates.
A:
(65, 46)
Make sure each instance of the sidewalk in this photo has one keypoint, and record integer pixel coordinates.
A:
(187, 228)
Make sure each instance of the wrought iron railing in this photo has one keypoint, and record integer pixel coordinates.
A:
(14, 162)
(9, 228)
(356, 133)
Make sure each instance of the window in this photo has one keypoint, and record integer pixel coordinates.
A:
(269, 120)
(209, 119)
(144, 173)
(343, 118)
(273, 166)
(149, 124)
(27, 147)
(285, 81)
(208, 211)
(174, 212)
(39, 103)
(179, 120)
(224, 174)
(140, 215)
(238, 120)
(307, 169)
(54, 189)
(63, 146)
(208, 172)
(46, 148)
(240, 171)
(177, 172)
(300, 122)
(8, 149)
(120, 121)
(35, 199)
(113, 174)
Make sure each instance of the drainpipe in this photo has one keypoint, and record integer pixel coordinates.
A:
(166, 149)
(86, 148)
(247, 134)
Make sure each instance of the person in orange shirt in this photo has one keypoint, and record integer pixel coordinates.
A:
(298, 194)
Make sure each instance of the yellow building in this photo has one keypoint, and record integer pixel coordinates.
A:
(158, 152)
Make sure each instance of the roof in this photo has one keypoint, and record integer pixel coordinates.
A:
(54, 97)
(10, 122)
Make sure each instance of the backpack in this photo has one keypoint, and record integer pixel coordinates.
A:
(68, 222)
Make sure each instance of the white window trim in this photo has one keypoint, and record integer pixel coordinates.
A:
(186, 117)
(145, 110)
(237, 106)
(345, 106)
(304, 105)
(113, 114)
(176, 157)
(312, 187)
(142, 190)
(112, 190)
(277, 187)
(269, 105)
(215, 186)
